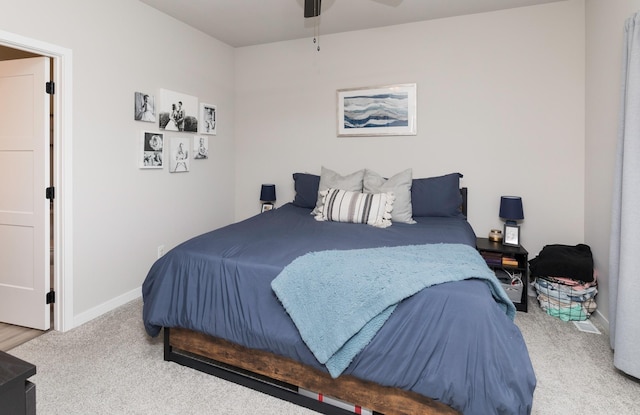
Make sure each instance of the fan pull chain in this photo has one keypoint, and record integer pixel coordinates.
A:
(316, 33)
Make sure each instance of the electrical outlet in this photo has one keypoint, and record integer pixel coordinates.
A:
(160, 251)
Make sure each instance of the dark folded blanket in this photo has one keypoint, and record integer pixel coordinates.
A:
(575, 262)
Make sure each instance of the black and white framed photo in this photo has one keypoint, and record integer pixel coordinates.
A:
(144, 107)
(208, 117)
(200, 148)
(152, 150)
(179, 154)
(178, 112)
(511, 235)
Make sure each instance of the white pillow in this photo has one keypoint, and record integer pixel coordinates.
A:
(331, 179)
(355, 207)
(399, 185)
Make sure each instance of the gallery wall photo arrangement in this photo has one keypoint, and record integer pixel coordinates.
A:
(373, 111)
(200, 148)
(151, 150)
(178, 112)
(179, 154)
(208, 117)
(144, 107)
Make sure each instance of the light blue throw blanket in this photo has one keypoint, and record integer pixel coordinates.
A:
(339, 300)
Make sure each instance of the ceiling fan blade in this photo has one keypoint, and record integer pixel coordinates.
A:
(312, 8)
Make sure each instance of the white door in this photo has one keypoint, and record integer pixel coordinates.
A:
(24, 176)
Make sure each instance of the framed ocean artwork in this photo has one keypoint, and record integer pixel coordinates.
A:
(373, 111)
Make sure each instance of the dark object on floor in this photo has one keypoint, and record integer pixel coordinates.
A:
(575, 262)
(17, 394)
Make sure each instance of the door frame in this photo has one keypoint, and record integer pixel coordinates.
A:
(62, 172)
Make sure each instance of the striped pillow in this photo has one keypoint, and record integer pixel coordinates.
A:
(354, 207)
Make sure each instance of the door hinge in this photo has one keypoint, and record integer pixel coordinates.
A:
(50, 88)
(51, 297)
(50, 193)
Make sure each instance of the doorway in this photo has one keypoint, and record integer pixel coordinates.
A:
(61, 168)
(26, 150)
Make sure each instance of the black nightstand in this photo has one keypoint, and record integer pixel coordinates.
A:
(514, 259)
(17, 394)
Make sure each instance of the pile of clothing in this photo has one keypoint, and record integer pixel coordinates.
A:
(565, 281)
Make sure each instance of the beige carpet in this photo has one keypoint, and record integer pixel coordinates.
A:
(110, 366)
(574, 369)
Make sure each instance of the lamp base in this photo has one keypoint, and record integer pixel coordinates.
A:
(266, 207)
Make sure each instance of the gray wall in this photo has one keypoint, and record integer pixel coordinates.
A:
(500, 99)
(121, 213)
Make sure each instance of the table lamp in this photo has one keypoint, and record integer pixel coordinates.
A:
(267, 196)
(511, 211)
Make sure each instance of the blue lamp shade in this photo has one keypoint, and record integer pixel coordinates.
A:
(268, 193)
(511, 208)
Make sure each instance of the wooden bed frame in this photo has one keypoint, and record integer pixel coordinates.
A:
(281, 377)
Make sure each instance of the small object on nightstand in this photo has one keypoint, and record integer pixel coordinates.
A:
(495, 235)
(267, 196)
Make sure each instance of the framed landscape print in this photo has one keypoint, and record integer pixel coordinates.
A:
(384, 110)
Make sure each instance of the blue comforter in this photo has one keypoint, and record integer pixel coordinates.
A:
(358, 289)
(451, 342)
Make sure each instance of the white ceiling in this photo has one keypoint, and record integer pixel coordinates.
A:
(251, 22)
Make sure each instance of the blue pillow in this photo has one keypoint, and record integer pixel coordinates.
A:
(306, 187)
(436, 196)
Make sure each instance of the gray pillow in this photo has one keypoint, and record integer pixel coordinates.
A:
(399, 185)
(331, 179)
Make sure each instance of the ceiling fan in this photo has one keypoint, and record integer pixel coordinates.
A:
(312, 8)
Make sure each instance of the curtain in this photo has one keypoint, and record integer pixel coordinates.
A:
(624, 268)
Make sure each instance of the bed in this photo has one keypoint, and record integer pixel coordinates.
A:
(449, 348)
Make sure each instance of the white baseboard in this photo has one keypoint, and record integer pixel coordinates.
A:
(597, 316)
(103, 308)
